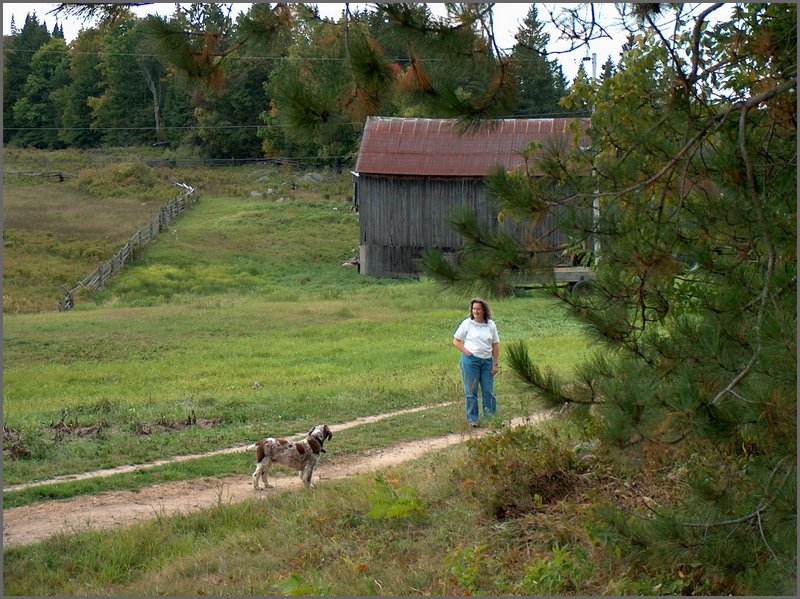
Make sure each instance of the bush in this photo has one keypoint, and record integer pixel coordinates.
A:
(123, 178)
(517, 471)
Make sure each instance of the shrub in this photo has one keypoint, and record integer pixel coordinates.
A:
(559, 573)
(517, 471)
(392, 502)
(123, 178)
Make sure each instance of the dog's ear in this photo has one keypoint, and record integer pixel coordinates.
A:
(327, 432)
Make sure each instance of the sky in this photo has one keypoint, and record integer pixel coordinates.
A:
(507, 17)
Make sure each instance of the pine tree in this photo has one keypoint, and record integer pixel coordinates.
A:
(38, 111)
(314, 111)
(540, 81)
(18, 53)
(693, 166)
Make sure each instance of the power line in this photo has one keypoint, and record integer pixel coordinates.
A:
(261, 126)
(237, 57)
(153, 127)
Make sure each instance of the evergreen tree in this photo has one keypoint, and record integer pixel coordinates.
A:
(541, 82)
(38, 112)
(229, 118)
(179, 122)
(18, 51)
(207, 53)
(608, 69)
(227, 110)
(693, 165)
(85, 80)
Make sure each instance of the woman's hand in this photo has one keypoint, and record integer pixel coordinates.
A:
(460, 345)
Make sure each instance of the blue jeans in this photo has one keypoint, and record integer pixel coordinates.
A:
(475, 372)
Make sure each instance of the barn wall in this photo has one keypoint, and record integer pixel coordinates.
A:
(401, 216)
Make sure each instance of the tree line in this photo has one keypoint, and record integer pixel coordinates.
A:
(271, 81)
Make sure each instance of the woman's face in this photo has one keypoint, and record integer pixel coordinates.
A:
(477, 311)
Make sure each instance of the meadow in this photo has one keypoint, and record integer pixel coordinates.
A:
(241, 317)
(241, 321)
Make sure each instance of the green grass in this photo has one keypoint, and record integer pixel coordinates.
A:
(54, 234)
(241, 290)
(130, 366)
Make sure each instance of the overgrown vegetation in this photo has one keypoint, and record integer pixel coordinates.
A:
(55, 233)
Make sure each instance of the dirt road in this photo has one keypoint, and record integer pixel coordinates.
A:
(36, 522)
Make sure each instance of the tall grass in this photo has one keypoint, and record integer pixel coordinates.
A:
(54, 233)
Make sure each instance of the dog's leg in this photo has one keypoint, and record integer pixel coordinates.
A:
(257, 474)
(306, 475)
(264, 472)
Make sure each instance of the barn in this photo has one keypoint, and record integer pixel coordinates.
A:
(412, 174)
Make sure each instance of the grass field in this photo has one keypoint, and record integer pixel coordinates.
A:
(243, 303)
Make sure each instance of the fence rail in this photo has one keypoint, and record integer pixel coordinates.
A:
(55, 174)
(145, 235)
(190, 162)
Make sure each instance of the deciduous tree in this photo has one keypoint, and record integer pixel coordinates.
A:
(85, 79)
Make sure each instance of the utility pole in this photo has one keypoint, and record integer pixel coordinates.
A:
(593, 58)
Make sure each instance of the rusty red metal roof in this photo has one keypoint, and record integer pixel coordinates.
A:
(435, 147)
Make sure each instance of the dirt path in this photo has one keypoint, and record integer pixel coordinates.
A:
(36, 522)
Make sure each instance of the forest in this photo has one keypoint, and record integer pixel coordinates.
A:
(226, 86)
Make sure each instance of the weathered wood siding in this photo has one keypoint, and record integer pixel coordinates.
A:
(400, 216)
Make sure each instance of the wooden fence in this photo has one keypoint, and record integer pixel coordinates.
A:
(146, 234)
(55, 174)
(200, 162)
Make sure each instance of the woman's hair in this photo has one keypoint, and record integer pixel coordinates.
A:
(487, 313)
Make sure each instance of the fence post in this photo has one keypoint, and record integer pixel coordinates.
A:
(68, 302)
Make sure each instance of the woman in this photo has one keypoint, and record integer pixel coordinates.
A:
(477, 340)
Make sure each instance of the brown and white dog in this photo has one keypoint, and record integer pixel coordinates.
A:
(301, 455)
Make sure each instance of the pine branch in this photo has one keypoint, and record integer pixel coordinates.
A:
(756, 201)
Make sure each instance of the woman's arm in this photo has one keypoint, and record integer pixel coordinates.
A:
(460, 345)
(495, 357)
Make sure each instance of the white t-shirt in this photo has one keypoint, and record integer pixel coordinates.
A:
(477, 337)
